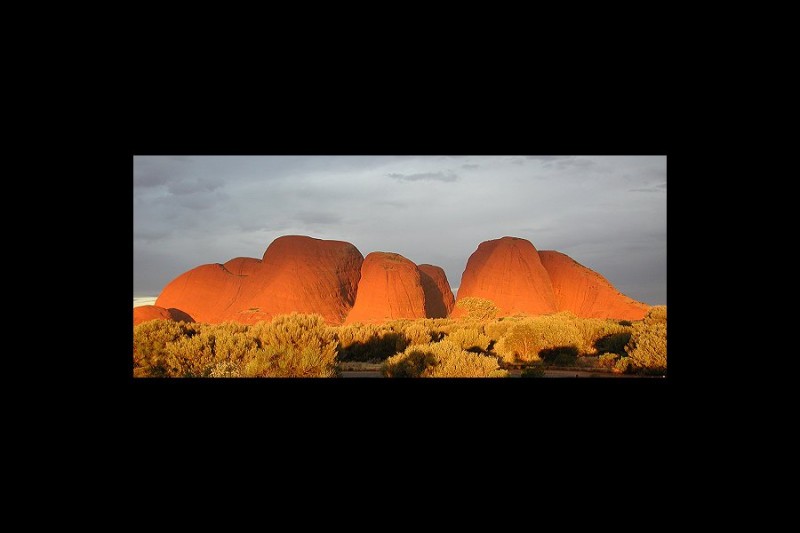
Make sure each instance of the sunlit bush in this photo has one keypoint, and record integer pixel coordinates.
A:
(150, 340)
(469, 339)
(441, 359)
(478, 308)
(647, 348)
(607, 360)
(293, 345)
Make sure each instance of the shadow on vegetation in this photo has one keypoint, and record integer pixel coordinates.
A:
(560, 355)
(378, 347)
(613, 343)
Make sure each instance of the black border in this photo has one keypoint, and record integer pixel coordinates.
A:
(449, 131)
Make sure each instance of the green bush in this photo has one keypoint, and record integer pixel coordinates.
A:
(647, 348)
(441, 359)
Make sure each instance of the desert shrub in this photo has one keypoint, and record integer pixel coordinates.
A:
(478, 308)
(150, 340)
(623, 365)
(594, 329)
(417, 334)
(295, 345)
(441, 359)
(369, 342)
(204, 346)
(469, 339)
(647, 348)
(497, 328)
(532, 372)
(527, 338)
(227, 369)
(560, 355)
(607, 360)
(626, 323)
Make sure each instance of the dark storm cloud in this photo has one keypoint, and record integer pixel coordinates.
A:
(432, 176)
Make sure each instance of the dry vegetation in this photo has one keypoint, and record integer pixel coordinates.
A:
(478, 345)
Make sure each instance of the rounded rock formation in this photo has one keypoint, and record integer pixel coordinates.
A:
(439, 299)
(296, 274)
(509, 273)
(145, 313)
(304, 275)
(585, 293)
(208, 293)
(243, 266)
(390, 288)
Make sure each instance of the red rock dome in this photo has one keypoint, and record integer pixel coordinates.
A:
(439, 299)
(390, 288)
(508, 272)
(297, 274)
(145, 313)
(586, 293)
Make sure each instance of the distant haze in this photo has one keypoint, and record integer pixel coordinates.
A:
(606, 212)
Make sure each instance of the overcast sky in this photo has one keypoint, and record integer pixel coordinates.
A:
(608, 213)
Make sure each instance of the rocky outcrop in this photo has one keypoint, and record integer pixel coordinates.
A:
(243, 266)
(145, 313)
(304, 275)
(296, 274)
(509, 273)
(209, 293)
(439, 299)
(585, 293)
(390, 288)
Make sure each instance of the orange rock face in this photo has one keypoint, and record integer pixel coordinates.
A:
(208, 293)
(304, 275)
(297, 274)
(243, 266)
(586, 293)
(390, 287)
(508, 272)
(439, 299)
(144, 313)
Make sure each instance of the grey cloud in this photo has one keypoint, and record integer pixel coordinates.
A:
(200, 200)
(661, 187)
(149, 179)
(224, 207)
(433, 176)
(561, 161)
(392, 203)
(150, 235)
(318, 218)
(192, 185)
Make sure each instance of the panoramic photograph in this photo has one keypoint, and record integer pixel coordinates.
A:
(517, 266)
